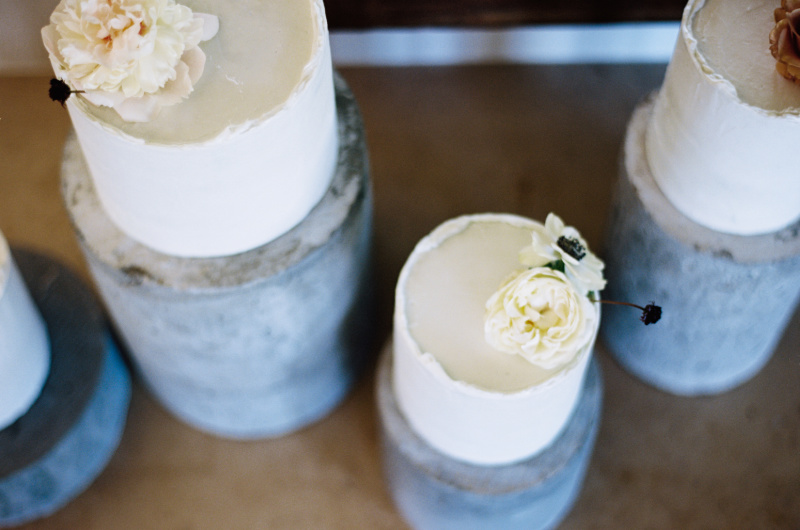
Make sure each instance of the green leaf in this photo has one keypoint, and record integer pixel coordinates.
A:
(557, 265)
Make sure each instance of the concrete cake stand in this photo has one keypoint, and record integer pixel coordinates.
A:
(252, 345)
(51, 454)
(434, 491)
(726, 299)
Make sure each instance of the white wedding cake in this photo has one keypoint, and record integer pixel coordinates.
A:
(725, 122)
(24, 343)
(209, 127)
(487, 374)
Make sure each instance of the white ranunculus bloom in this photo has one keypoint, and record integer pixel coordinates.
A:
(133, 55)
(538, 314)
(585, 273)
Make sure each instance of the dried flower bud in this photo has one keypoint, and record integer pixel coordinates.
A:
(784, 40)
(651, 314)
(60, 91)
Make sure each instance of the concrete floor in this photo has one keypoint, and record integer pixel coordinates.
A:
(443, 142)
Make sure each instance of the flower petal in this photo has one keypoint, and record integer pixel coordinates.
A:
(128, 53)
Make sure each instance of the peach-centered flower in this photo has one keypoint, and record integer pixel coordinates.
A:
(537, 313)
(135, 56)
(784, 40)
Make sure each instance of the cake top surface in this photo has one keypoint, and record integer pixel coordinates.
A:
(733, 43)
(445, 294)
(262, 52)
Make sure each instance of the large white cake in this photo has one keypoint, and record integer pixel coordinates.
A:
(725, 122)
(235, 163)
(24, 343)
(465, 397)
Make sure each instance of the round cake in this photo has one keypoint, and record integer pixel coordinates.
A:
(24, 343)
(725, 120)
(463, 396)
(237, 162)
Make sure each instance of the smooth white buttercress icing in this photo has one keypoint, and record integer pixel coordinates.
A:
(245, 157)
(24, 343)
(725, 122)
(464, 398)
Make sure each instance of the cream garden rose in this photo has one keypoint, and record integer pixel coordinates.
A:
(538, 314)
(586, 272)
(135, 56)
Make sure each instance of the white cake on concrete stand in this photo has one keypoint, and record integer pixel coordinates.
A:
(225, 213)
(488, 395)
(706, 218)
(71, 382)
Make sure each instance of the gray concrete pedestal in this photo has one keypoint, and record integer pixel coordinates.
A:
(434, 491)
(52, 454)
(251, 345)
(726, 299)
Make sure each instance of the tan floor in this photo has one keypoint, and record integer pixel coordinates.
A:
(443, 142)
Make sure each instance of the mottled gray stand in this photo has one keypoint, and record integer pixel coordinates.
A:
(436, 492)
(50, 455)
(726, 299)
(252, 345)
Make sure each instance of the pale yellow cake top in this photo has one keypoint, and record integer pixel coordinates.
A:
(253, 65)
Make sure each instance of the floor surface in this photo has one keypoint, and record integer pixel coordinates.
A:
(443, 142)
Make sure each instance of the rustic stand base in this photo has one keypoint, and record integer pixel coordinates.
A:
(52, 453)
(726, 299)
(433, 491)
(256, 344)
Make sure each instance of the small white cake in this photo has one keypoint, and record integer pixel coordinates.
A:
(24, 343)
(725, 122)
(464, 397)
(243, 157)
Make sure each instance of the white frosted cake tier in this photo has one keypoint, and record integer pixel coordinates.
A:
(466, 399)
(725, 122)
(245, 157)
(24, 343)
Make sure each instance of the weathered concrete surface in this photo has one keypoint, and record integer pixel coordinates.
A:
(251, 345)
(726, 299)
(433, 491)
(54, 452)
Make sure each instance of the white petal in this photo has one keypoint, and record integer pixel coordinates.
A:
(195, 60)
(140, 109)
(210, 25)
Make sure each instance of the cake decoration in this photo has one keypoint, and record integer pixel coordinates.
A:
(135, 56)
(545, 313)
(60, 91)
(557, 245)
(538, 314)
(784, 38)
(572, 247)
(651, 313)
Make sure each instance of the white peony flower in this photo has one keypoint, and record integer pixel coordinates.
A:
(133, 55)
(555, 241)
(538, 314)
